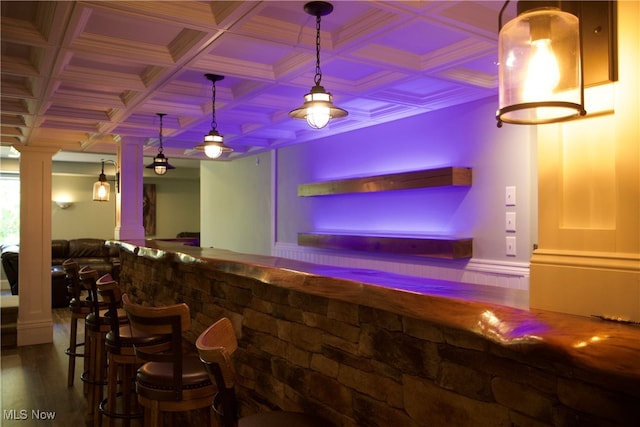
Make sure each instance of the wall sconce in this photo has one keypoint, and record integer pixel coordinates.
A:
(63, 205)
(318, 107)
(213, 144)
(160, 163)
(548, 54)
(101, 188)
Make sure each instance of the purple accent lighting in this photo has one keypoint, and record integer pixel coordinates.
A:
(432, 211)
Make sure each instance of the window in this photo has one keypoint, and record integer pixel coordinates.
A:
(9, 208)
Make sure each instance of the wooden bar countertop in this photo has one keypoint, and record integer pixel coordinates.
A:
(501, 315)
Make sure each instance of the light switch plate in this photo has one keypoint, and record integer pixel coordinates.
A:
(510, 196)
(511, 245)
(510, 221)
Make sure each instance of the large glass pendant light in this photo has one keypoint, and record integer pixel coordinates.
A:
(101, 188)
(318, 107)
(540, 75)
(213, 144)
(160, 163)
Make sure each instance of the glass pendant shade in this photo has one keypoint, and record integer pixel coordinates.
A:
(540, 76)
(101, 189)
(213, 145)
(213, 151)
(160, 164)
(318, 108)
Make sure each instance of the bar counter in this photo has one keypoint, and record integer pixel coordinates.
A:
(395, 347)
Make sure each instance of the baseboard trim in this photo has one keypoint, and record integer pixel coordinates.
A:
(35, 332)
(508, 274)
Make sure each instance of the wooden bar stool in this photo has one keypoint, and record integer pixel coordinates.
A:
(79, 309)
(169, 381)
(216, 346)
(97, 324)
(122, 362)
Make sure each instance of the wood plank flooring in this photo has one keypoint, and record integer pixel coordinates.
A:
(33, 385)
(34, 382)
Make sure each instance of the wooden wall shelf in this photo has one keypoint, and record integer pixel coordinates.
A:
(432, 247)
(447, 176)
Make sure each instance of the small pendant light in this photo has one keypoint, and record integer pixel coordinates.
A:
(318, 107)
(540, 74)
(160, 163)
(213, 144)
(101, 188)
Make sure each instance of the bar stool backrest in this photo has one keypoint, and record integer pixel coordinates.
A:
(109, 291)
(71, 268)
(215, 347)
(170, 320)
(88, 277)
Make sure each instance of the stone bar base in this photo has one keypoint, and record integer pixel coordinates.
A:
(366, 348)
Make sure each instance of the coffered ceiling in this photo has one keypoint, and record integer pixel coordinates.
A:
(84, 75)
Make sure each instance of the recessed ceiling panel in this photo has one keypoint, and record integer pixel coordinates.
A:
(420, 37)
(95, 69)
(130, 27)
(254, 50)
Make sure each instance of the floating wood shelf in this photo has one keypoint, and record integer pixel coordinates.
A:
(447, 176)
(432, 247)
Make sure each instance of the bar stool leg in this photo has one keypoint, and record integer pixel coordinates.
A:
(73, 339)
(120, 388)
(87, 360)
(89, 374)
(100, 375)
(112, 390)
(95, 375)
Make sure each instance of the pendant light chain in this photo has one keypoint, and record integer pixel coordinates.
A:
(318, 77)
(214, 124)
(160, 134)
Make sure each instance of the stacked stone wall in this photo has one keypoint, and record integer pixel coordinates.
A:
(361, 366)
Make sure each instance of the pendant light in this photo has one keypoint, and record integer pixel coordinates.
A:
(160, 163)
(101, 188)
(213, 144)
(540, 74)
(318, 107)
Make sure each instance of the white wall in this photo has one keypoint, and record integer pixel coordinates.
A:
(84, 218)
(177, 203)
(236, 204)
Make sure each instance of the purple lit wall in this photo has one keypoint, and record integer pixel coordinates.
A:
(463, 136)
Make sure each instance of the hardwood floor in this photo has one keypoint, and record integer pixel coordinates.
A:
(33, 385)
(34, 382)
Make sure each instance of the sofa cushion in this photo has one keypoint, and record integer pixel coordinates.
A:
(87, 248)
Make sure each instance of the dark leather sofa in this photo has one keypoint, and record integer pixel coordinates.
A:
(87, 251)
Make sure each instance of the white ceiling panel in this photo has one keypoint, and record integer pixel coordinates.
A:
(84, 75)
